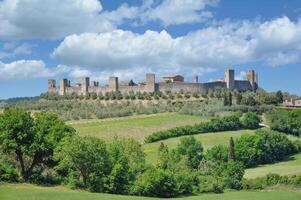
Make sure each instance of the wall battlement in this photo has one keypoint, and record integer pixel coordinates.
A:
(150, 85)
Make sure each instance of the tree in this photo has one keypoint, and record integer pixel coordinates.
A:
(231, 149)
(156, 182)
(132, 83)
(218, 153)
(191, 148)
(32, 140)
(230, 99)
(238, 98)
(85, 156)
(226, 100)
(163, 157)
(250, 120)
(279, 96)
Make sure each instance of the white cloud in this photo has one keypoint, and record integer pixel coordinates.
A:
(57, 18)
(53, 19)
(29, 69)
(11, 49)
(174, 12)
(217, 46)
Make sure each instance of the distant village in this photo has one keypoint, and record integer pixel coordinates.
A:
(170, 83)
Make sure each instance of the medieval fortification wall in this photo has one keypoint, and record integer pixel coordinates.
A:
(150, 85)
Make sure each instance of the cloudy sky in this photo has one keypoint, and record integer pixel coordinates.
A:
(42, 39)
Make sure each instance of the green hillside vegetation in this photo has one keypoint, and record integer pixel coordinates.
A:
(40, 148)
(208, 141)
(137, 127)
(30, 192)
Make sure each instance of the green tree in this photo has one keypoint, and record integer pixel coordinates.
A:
(31, 140)
(156, 182)
(231, 149)
(191, 148)
(86, 156)
(279, 97)
(250, 120)
(238, 98)
(163, 156)
(230, 99)
(132, 83)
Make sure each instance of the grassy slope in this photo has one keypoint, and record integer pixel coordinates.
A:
(292, 165)
(137, 127)
(208, 140)
(29, 192)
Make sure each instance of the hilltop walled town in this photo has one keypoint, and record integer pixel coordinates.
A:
(171, 83)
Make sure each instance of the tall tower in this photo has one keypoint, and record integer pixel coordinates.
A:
(150, 82)
(113, 83)
(85, 82)
(63, 85)
(196, 79)
(229, 79)
(252, 78)
(51, 85)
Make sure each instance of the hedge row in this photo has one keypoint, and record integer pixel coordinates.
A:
(214, 125)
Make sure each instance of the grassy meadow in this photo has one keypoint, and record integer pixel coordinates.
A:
(30, 192)
(137, 127)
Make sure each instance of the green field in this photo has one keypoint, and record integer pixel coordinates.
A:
(292, 165)
(208, 140)
(137, 127)
(30, 192)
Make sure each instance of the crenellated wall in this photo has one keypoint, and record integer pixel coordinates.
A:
(150, 85)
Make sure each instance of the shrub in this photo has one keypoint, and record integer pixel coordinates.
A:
(266, 146)
(156, 183)
(210, 184)
(214, 125)
(286, 121)
(250, 120)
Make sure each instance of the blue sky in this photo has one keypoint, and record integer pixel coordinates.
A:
(43, 39)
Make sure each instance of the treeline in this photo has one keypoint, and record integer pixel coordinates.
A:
(41, 149)
(286, 121)
(227, 123)
(76, 109)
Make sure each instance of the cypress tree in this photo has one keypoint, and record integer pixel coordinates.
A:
(231, 149)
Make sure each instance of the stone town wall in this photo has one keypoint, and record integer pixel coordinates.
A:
(151, 85)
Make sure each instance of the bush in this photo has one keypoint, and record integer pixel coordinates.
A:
(156, 183)
(8, 173)
(266, 146)
(250, 120)
(214, 125)
(210, 184)
(286, 121)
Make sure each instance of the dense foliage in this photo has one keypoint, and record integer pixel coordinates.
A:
(250, 120)
(31, 141)
(264, 147)
(286, 121)
(41, 149)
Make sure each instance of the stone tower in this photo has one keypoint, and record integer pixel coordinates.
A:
(113, 83)
(252, 77)
(150, 82)
(196, 79)
(51, 85)
(229, 79)
(63, 85)
(85, 82)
